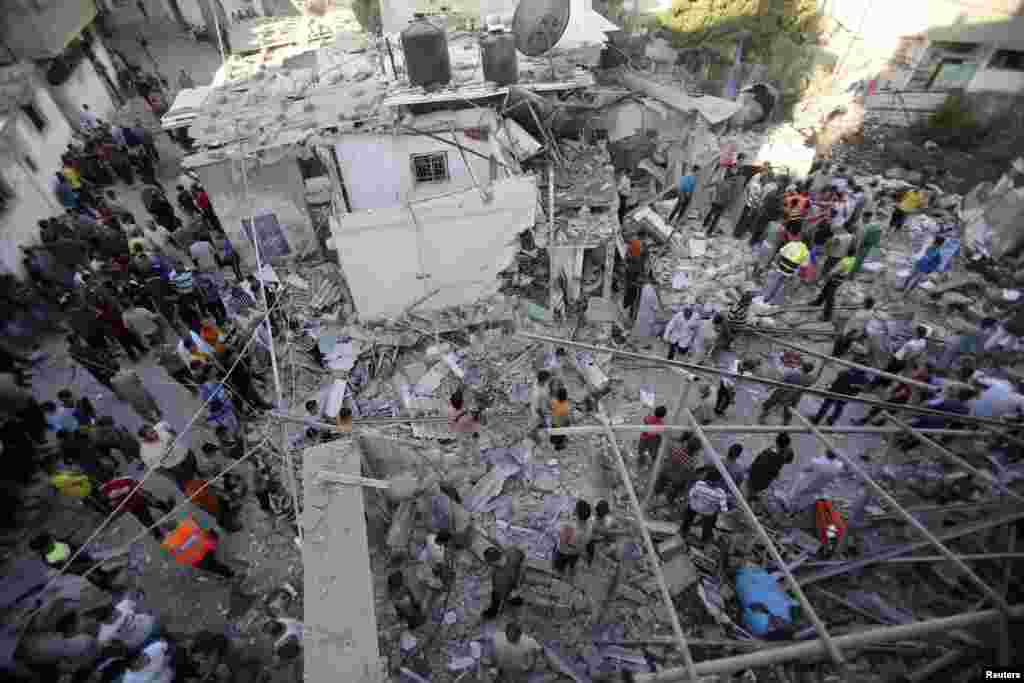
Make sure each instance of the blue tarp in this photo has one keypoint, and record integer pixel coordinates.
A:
(756, 586)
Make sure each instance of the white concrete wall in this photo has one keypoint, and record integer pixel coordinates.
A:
(18, 223)
(84, 86)
(462, 243)
(191, 12)
(378, 168)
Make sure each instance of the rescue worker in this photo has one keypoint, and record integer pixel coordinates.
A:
(788, 262)
(827, 295)
(794, 207)
(191, 545)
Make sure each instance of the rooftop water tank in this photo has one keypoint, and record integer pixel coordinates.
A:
(501, 65)
(426, 53)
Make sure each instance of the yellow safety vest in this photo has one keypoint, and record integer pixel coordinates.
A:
(792, 256)
(58, 553)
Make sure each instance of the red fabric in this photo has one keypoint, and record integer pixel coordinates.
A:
(189, 544)
(116, 490)
(635, 248)
(653, 421)
(824, 516)
(202, 200)
(107, 315)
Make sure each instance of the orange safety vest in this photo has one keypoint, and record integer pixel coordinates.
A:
(189, 543)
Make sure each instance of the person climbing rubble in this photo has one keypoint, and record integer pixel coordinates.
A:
(855, 329)
(787, 264)
(687, 188)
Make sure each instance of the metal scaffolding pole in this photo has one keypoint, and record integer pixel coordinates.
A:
(690, 667)
(657, 360)
(582, 430)
(819, 625)
(814, 649)
(967, 558)
(879, 492)
(952, 457)
(848, 363)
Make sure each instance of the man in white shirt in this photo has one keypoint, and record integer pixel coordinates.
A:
(161, 448)
(707, 498)
(681, 331)
(907, 355)
(87, 120)
(204, 256)
(515, 654)
(812, 480)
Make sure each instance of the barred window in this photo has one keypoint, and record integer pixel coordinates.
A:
(430, 168)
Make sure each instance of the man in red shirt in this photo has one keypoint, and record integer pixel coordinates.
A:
(118, 489)
(205, 207)
(649, 441)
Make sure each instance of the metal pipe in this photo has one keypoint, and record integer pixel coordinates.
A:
(819, 626)
(814, 649)
(848, 363)
(939, 558)
(879, 492)
(627, 482)
(749, 429)
(952, 457)
(1004, 623)
(767, 382)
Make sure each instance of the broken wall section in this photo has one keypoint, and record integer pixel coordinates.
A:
(273, 186)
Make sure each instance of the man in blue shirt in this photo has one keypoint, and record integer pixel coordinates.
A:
(687, 186)
(926, 265)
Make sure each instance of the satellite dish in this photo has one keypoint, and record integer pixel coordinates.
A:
(539, 24)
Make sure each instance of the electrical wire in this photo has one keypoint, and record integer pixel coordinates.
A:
(148, 473)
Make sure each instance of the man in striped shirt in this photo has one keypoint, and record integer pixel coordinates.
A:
(707, 498)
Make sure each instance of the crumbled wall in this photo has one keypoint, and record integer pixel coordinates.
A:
(276, 187)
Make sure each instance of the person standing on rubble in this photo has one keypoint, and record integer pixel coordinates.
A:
(767, 465)
(573, 539)
(768, 210)
(650, 441)
(787, 264)
(706, 498)
(405, 601)
(516, 655)
(625, 189)
(813, 479)
(849, 382)
(756, 191)
(191, 545)
(827, 295)
(908, 354)
(463, 424)
(540, 397)
(855, 329)
(560, 412)
(681, 331)
(723, 195)
(635, 267)
(911, 202)
(507, 573)
(788, 399)
(687, 188)
(929, 262)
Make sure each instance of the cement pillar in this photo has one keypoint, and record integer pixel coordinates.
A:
(339, 613)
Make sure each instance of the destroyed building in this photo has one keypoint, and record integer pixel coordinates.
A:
(472, 238)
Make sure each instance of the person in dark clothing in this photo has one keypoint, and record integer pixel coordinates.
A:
(405, 602)
(96, 362)
(108, 436)
(957, 406)
(768, 464)
(836, 278)
(507, 571)
(75, 449)
(241, 381)
(185, 201)
(849, 382)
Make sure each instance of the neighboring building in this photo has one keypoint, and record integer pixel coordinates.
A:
(33, 135)
(984, 61)
(72, 60)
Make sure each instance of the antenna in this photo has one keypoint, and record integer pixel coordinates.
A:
(539, 24)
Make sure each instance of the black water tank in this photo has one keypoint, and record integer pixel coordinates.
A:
(426, 53)
(501, 64)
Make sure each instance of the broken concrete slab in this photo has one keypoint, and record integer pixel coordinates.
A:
(680, 573)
